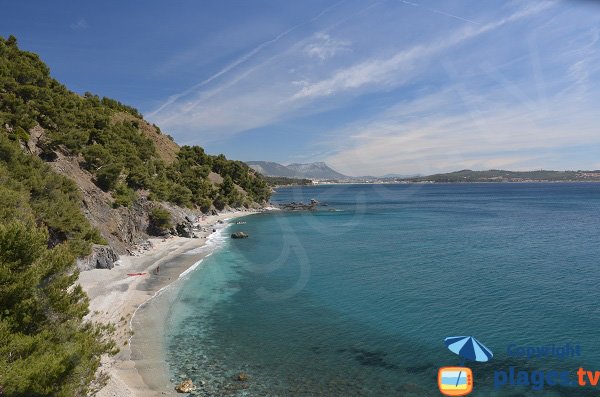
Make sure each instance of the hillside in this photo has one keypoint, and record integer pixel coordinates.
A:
(510, 176)
(78, 172)
(318, 170)
(123, 165)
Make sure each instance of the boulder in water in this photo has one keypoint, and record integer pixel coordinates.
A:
(239, 235)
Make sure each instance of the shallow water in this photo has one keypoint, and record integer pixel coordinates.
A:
(356, 298)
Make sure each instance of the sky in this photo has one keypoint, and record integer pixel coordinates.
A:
(370, 87)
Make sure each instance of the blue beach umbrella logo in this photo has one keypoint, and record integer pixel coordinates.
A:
(468, 348)
(458, 381)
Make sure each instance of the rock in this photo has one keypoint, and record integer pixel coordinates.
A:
(102, 257)
(36, 140)
(242, 377)
(187, 386)
(239, 235)
(184, 230)
(294, 206)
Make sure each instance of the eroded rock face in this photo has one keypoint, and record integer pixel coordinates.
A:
(102, 257)
(35, 139)
(187, 386)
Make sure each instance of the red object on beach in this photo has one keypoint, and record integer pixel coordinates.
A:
(135, 274)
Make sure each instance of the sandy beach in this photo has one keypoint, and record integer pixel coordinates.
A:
(139, 368)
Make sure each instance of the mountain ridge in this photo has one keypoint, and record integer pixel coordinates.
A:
(316, 170)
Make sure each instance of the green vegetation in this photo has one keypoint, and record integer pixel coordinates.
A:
(29, 187)
(46, 347)
(121, 157)
(284, 181)
(160, 219)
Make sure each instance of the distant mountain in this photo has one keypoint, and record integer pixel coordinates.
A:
(269, 168)
(318, 170)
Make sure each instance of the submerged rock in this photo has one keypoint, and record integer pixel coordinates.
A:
(187, 386)
(239, 235)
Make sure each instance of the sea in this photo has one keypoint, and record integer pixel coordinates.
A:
(356, 297)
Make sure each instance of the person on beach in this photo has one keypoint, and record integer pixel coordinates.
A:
(157, 270)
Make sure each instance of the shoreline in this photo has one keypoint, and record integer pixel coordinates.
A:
(139, 369)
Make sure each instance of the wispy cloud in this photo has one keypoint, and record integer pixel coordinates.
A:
(457, 128)
(324, 46)
(241, 60)
(437, 11)
(388, 70)
(463, 94)
(271, 95)
(585, 61)
(80, 24)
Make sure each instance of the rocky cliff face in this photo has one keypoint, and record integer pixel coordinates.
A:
(102, 257)
(125, 229)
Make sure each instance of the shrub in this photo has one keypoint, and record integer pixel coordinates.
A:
(107, 177)
(123, 195)
(180, 195)
(160, 219)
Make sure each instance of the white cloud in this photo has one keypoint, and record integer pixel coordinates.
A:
(585, 62)
(457, 127)
(324, 46)
(393, 70)
(433, 134)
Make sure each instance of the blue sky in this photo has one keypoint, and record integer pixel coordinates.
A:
(370, 87)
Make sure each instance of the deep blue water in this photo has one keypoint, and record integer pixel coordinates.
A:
(356, 298)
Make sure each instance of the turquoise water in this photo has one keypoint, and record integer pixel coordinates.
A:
(356, 298)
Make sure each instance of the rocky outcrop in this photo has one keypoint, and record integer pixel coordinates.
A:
(187, 386)
(237, 235)
(184, 229)
(294, 206)
(35, 139)
(125, 229)
(102, 257)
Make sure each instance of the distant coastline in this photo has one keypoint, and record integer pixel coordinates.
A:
(277, 178)
(326, 183)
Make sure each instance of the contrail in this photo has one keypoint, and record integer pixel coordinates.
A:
(244, 58)
(439, 12)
